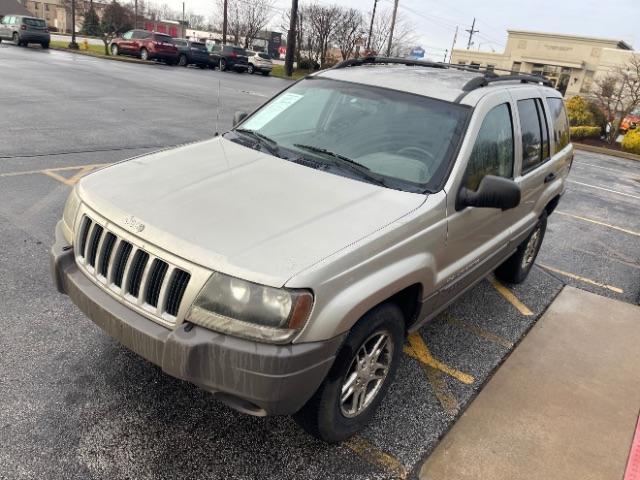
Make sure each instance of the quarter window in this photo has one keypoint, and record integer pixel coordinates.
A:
(493, 151)
(127, 36)
(535, 135)
(560, 124)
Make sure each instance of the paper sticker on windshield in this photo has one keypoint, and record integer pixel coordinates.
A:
(271, 111)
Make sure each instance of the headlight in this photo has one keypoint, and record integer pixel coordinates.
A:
(70, 211)
(244, 309)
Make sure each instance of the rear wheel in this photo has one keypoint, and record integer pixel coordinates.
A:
(45, 45)
(359, 379)
(16, 39)
(144, 54)
(114, 50)
(222, 65)
(182, 61)
(516, 268)
(251, 69)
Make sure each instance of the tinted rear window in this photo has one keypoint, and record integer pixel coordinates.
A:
(163, 38)
(236, 50)
(34, 22)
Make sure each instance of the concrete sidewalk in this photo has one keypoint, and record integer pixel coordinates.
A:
(563, 406)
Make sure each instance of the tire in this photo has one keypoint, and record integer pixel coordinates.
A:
(16, 39)
(182, 61)
(516, 268)
(325, 415)
(144, 54)
(251, 69)
(222, 65)
(45, 45)
(266, 73)
(114, 50)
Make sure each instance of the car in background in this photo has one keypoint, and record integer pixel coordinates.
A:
(191, 53)
(23, 30)
(228, 57)
(259, 62)
(631, 121)
(146, 45)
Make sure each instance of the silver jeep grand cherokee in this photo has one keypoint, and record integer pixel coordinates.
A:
(281, 264)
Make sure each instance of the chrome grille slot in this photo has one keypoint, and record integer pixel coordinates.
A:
(105, 254)
(150, 285)
(158, 271)
(96, 235)
(135, 274)
(179, 281)
(120, 262)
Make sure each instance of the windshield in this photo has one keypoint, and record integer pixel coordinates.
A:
(405, 138)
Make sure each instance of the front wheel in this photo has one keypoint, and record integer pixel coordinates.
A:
(223, 65)
(516, 268)
(364, 368)
(16, 39)
(251, 69)
(144, 54)
(45, 45)
(266, 73)
(182, 61)
(114, 50)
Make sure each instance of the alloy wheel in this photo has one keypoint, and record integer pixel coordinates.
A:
(366, 374)
(144, 55)
(531, 248)
(114, 50)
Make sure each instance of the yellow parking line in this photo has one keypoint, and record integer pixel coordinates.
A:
(448, 401)
(492, 337)
(377, 457)
(54, 175)
(605, 189)
(57, 169)
(73, 180)
(582, 279)
(510, 297)
(419, 350)
(598, 222)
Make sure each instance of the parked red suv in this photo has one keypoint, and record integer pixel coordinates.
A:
(146, 45)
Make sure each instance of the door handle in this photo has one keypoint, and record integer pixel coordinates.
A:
(550, 177)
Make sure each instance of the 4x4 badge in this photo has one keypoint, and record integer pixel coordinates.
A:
(134, 224)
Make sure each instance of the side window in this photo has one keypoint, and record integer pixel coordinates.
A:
(560, 124)
(493, 151)
(545, 130)
(531, 134)
(128, 35)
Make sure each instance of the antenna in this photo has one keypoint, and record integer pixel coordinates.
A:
(218, 112)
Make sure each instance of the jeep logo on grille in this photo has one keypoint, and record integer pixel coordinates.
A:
(134, 224)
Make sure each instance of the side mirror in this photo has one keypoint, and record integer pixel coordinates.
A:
(238, 117)
(493, 192)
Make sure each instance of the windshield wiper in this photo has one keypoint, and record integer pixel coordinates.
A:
(354, 166)
(262, 140)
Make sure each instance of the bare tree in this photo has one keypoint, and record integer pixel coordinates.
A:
(618, 92)
(254, 17)
(321, 28)
(196, 21)
(348, 31)
(403, 35)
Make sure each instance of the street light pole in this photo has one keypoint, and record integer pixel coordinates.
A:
(291, 39)
(373, 15)
(73, 45)
(393, 25)
(135, 14)
(224, 23)
(183, 29)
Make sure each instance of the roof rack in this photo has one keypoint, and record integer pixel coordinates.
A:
(485, 77)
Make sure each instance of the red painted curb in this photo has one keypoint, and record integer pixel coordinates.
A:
(632, 472)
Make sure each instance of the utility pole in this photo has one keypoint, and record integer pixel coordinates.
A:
(135, 14)
(455, 37)
(291, 39)
(444, 60)
(224, 23)
(373, 16)
(73, 45)
(471, 32)
(393, 25)
(183, 29)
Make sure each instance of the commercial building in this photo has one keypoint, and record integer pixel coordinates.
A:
(571, 62)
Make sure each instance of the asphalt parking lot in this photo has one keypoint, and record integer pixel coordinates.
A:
(75, 404)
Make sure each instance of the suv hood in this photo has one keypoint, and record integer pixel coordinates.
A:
(236, 210)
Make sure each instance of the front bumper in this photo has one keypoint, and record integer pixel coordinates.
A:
(255, 378)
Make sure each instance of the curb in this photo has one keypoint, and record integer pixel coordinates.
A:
(101, 56)
(606, 151)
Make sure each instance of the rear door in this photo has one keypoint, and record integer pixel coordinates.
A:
(478, 238)
(539, 166)
(3, 27)
(125, 43)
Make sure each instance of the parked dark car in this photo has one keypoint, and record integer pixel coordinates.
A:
(228, 57)
(23, 30)
(191, 53)
(146, 45)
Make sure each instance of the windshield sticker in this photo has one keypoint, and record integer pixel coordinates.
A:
(271, 111)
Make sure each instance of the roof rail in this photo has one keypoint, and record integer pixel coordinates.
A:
(486, 80)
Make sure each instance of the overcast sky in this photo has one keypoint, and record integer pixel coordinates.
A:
(435, 20)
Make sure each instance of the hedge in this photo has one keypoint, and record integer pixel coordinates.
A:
(584, 132)
(631, 142)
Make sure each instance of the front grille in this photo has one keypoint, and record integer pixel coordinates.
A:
(131, 273)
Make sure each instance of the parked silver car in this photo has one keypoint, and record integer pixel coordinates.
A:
(23, 30)
(259, 62)
(281, 264)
